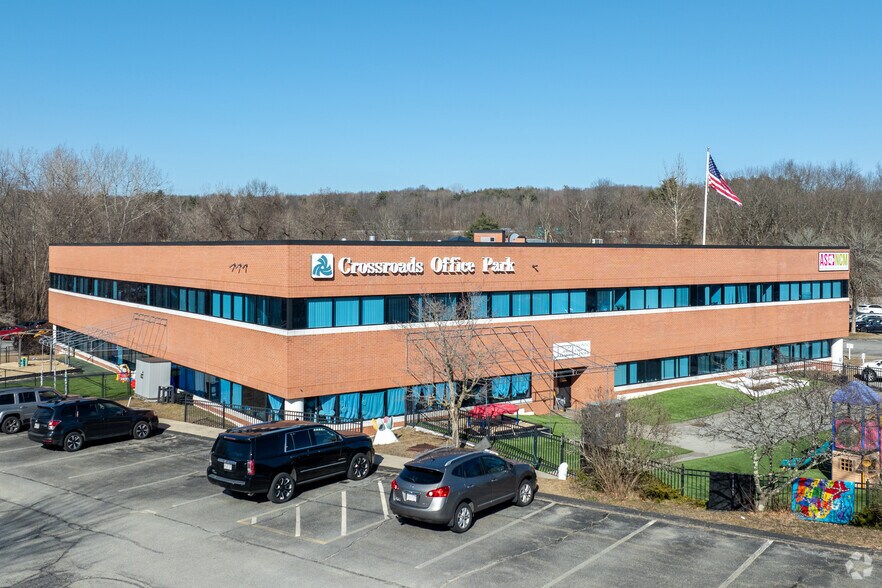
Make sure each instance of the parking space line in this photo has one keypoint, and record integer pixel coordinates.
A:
(65, 458)
(383, 499)
(746, 563)
(128, 465)
(297, 521)
(597, 555)
(343, 514)
(273, 511)
(485, 536)
(197, 499)
(17, 449)
(158, 482)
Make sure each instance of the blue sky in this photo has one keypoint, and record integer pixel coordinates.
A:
(385, 95)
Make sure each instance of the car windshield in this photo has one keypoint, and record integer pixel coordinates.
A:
(49, 396)
(232, 449)
(420, 476)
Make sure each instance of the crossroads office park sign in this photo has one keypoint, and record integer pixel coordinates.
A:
(323, 267)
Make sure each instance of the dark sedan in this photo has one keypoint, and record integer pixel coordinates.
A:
(71, 423)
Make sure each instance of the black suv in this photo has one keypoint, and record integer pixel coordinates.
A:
(71, 423)
(274, 457)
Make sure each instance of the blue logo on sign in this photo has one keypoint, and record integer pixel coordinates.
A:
(321, 267)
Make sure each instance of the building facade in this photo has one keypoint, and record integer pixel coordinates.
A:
(330, 326)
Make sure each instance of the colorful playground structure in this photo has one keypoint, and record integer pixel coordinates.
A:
(857, 443)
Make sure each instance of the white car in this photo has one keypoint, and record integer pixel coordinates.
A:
(869, 309)
(872, 370)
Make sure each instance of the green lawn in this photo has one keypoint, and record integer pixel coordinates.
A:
(557, 424)
(692, 402)
(741, 462)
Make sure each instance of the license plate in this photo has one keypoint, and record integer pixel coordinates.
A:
(410, 497)
(228, 466)
(36, 426)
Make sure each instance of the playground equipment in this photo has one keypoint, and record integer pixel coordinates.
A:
(812, 456)
(857, 443)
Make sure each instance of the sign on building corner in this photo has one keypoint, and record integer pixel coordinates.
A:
(830, 261)
(322, 266)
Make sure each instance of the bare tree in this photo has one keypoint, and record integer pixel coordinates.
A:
(790, 421)
(451, 348)
(674, 201)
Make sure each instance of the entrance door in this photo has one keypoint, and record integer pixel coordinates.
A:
(562, 386)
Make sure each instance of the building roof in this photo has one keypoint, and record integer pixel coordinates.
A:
(856, 393)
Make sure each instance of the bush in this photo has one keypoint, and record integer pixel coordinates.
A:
(871, 517)
(654, 489)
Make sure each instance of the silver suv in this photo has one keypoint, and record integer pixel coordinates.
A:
(448, 486)
(17, 405)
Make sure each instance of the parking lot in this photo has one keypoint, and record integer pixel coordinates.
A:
(143, 514)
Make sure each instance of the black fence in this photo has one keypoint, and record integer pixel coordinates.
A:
(696, 484)
(227, 416)
(508, 436)
(103, 385)
(839, 373)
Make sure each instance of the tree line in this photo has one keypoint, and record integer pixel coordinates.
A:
(64, 196)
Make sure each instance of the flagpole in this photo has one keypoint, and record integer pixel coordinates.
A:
(704, 223)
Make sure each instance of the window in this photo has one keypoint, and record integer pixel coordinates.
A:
(520, 304)
(323, 436)
(621, 299)
(577, 301)
(493, 464)
(297, 440)
(27, 397)
(541, 303)
(846, 465)
(604, 300)
(398, 309)
(470, 469)
(500, 304)
(651, 297)
(345, 312)
(783, 292)
(667, 297)
(479, 303)
(6, 399)
(682, 296)
(319, 312)
(560, 302)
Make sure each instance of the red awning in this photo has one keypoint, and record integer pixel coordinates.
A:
(492, 410)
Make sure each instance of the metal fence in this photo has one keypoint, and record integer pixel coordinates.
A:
(225, 416)
(839, 373)
(104, 385)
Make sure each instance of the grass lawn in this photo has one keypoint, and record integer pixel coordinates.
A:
(557, 424)
(692, 402)
(741, 462)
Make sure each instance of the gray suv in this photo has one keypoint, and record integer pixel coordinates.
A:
(448, 486)
(17, 405)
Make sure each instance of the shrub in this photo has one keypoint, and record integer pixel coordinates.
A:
(870, 517)
(654, 489)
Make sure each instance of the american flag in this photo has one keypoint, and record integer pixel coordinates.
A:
(716, 181)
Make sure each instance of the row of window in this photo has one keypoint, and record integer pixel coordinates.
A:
(312, 313)
(653, 370)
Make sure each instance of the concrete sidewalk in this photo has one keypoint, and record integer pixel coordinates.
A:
(689, 435)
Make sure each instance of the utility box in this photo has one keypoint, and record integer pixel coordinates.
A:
(151, 373)
(605, 423)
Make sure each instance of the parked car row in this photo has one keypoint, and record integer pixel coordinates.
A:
(443, 486)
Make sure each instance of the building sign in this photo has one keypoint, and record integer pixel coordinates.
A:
(829, 261)
(571, 350)
(323, 266)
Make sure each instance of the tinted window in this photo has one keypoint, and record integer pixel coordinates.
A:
(469, 469)
(6, 399)
(420, 476)
(232, 449)
(49, 396)
(43, 414)
(321, 436)
(27, 397)
(298, 440)
(494, 464)
(67, 412)
(111, 409)
(88, 410)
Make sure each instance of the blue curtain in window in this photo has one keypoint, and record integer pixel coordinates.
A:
(501, 386)
(479, 305)
(667, 369)
(236, 392)
(805, 291)
(349, 406)
(741, 294)
(441, 392)
(327, 406)
(753, 359)
(345, 312)
(318, 312)
(541, 303)
(604, 300)
(682, 296)
(683, 366)
(794, 291)
(577, 301)
(396, 401)
(520, 304)
(215, 304)
(520, 386)
(837, 289)
(238, 307)
(652, 298)
(667, 297)
(826, 290)
(784, 291)
(372, 405)
(560, 302)
(816, 290)
(632, 372)
(621, 374)
(729, 294)
(275, 404)
(372, 310)
(825, 348)
(501, 303)
(816, 350)
(636, 298)
(225, 396)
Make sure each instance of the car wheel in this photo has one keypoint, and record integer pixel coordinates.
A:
(463, 518)
(525, 493)
(282, 488)
(870, 375)
(73, 441)
(141, 430)
(359, 467)
(11, 424)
